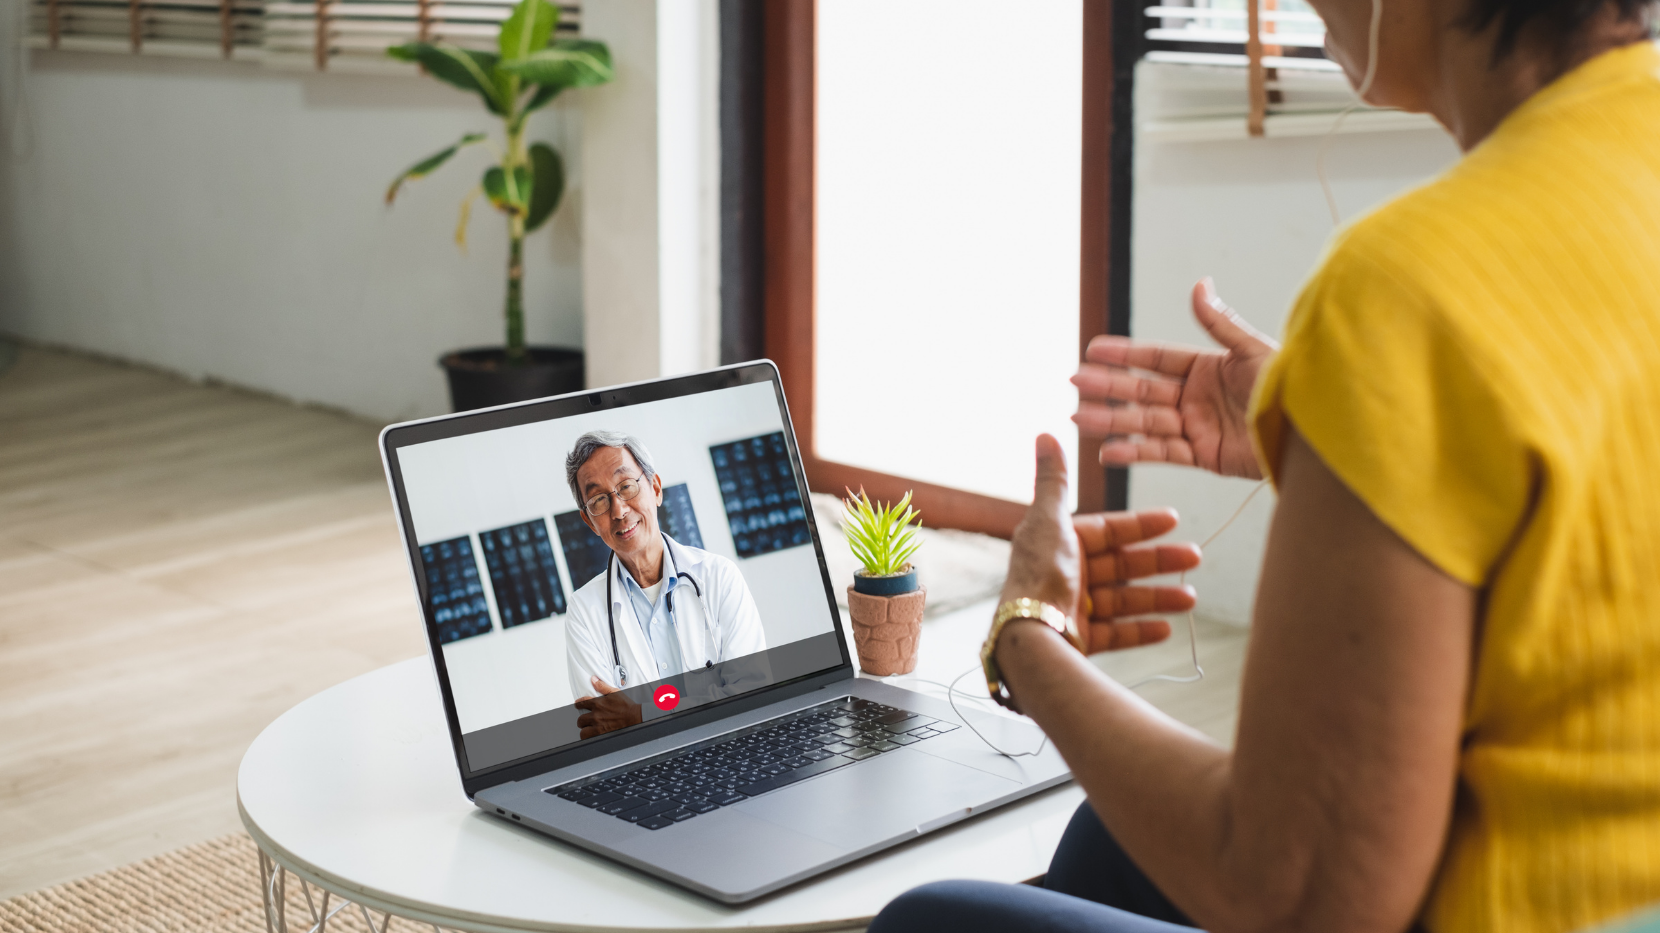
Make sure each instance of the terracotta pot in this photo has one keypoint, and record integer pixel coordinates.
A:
(886, 630)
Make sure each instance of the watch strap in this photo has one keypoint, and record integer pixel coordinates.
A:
(1021, 608)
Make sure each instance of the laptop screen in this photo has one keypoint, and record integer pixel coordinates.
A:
(680, 571)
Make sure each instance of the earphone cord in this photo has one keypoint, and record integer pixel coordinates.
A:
(951, 690)
(1360, 98)
(1192, 631)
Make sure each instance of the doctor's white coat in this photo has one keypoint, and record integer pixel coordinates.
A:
(722, 625)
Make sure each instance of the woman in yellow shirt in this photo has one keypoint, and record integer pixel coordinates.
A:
(1450, 715)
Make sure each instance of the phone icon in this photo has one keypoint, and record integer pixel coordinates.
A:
(666, 697)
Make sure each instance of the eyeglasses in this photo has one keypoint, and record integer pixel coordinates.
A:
(601, 503)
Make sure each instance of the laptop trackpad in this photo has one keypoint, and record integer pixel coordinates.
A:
(878, 800)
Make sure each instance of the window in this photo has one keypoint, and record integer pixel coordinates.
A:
(926, 91)
(307, 34)
(188, 28)
(325, 34)
(948, 237)
(1216, 32)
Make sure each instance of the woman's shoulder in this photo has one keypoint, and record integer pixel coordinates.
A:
(1571, 171)
(1411, 232)
(1430, 250)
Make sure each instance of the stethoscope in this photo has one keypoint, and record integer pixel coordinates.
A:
(611, 615)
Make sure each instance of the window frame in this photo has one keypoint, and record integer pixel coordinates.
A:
(788, 263)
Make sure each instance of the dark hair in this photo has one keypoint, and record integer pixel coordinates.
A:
(1563, 17)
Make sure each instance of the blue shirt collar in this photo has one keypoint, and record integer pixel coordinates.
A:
(669, 576)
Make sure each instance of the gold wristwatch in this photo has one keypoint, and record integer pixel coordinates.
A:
(1022, 608)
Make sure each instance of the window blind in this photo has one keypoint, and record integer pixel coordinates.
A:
(344, 35)
(1220, 69)
(352, 35)
(190, 28)
(1218, 33)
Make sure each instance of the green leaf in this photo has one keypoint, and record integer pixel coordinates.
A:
(463, 68)
(507, 198)
(528, 29)
(881, 537)
(547, 184)
(903, 556)
(544, 93)
(427, 165)
(566, 63)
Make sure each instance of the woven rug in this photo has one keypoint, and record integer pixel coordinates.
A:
(211, 887)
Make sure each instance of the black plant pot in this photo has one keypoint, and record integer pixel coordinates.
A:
(896, 584)
(481, 377)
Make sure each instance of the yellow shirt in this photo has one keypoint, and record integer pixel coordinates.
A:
(1479, 361)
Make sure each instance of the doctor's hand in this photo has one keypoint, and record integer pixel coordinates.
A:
(1085, 563)
(608, 712)
(1187, 405)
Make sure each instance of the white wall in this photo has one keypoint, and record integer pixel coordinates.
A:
(1250, 213)
(225, 220)
(650, 235)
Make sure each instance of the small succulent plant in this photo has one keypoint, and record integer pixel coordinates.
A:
(883, 538)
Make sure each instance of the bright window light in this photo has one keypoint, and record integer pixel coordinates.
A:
(948, 169)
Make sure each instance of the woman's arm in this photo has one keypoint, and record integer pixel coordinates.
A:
(1331, 812)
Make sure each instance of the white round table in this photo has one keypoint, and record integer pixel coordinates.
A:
(355, 791)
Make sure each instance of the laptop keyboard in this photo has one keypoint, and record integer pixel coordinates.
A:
(773, 754)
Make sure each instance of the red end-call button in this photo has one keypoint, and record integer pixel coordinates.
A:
(666, 697)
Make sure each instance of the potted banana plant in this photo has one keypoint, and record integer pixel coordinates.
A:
(525, 183)
(885, 601)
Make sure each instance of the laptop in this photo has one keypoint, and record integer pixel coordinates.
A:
(724, 744)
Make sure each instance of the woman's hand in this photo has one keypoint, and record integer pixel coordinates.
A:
(609, 711)
(1057, 558)
(1196, 417)
(1109, 565)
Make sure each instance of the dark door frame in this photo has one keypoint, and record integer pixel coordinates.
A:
(787, 143)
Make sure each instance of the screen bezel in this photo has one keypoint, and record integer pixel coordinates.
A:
(395, 437)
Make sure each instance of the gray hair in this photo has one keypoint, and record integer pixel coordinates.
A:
(588, 443)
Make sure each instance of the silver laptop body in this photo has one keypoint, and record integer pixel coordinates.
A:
(777, 765)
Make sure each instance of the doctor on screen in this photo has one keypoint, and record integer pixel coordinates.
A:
(660, 608)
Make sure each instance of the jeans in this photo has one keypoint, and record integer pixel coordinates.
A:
(1092, 887)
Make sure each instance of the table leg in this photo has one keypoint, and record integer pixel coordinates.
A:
(274, 895)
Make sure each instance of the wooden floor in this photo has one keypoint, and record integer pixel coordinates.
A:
(179, 564)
